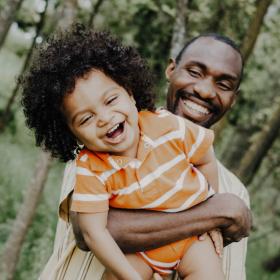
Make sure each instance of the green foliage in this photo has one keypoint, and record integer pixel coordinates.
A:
(15, 173)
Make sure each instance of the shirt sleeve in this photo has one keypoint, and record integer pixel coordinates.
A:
(90, 194)
(197, 141)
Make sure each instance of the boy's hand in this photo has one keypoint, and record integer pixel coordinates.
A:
(217, 239)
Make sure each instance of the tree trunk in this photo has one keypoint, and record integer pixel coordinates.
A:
(253, 31)
(7, 15)
(272, 264)
(217, 19)
(259, 148)
(12, 247)
(179, 28)
(6, 115)
(67, 13)
(94, 12)
(247, 47)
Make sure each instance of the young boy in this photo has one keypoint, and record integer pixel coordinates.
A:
(86, 88)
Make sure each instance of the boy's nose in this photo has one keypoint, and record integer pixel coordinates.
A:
(205, 89)
(103, 119)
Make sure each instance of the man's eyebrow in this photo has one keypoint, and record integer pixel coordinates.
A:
(228, 77)
(197, 63)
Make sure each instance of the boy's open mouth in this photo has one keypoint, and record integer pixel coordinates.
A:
(116, 130)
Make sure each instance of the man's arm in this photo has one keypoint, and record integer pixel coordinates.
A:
(139, 230)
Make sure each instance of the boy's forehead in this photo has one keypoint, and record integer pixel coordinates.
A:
(213, 54)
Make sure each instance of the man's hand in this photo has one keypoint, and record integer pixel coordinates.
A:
(217, 239)
(240, 216)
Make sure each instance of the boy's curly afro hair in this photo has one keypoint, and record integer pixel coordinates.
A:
(58, 63)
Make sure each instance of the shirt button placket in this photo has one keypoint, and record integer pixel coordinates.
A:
(146, 145)
(119, 162)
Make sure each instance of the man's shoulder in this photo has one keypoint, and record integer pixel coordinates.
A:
(68, 179)
(230, 183)
(68, 183)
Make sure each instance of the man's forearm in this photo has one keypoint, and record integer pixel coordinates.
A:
(137, 230)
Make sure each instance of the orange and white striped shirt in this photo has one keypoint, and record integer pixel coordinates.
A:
(162, 177)
(67, 262)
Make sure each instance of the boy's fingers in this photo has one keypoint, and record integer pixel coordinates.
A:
(202, 236)
(156, 276)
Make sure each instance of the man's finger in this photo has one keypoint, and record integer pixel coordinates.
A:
(217, 240)
(202, 236)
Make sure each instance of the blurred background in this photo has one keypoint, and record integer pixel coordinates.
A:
(247, 140)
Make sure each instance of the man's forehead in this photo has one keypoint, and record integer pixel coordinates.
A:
(213, 54)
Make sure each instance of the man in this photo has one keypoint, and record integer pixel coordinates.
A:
(204, 83)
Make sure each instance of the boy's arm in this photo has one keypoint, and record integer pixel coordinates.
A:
(140, 230)
(207, 165)
(99, 240)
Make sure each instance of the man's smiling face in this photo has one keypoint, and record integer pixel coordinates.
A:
(204, 83)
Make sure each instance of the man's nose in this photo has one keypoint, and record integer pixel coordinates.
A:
(205, 89)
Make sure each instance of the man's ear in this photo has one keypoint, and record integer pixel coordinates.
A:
(170, 68)
(234, 98)
(233, 102)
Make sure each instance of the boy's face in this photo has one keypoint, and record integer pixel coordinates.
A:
(102, 115)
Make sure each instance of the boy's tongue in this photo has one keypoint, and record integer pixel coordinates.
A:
(116, 132)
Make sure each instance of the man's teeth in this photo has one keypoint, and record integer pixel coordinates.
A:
(115, 127)
(198, 108)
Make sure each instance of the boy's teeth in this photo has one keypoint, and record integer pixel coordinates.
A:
(196, 107)
(113, 128)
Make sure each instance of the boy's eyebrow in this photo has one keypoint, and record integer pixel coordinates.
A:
(110, 89)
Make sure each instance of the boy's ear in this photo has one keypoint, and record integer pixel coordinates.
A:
(170, 68)
(132, 98)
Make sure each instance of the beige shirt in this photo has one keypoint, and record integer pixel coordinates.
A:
(70, 263)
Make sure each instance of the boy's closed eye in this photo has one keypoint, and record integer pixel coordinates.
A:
(86, 119)
(111, 100)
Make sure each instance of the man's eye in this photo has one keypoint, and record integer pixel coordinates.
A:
(194, 73)
(224, 86)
